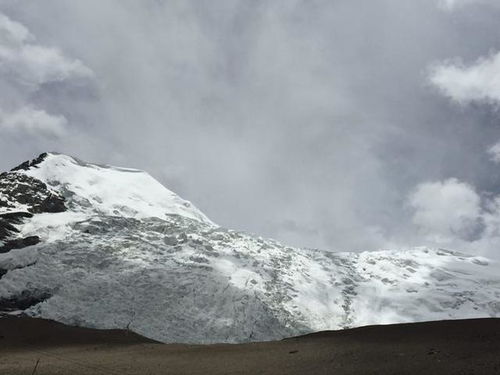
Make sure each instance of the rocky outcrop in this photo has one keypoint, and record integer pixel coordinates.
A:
(24, 192)
(19, 243)
(30, 163)
(21, 196)
(23, 301)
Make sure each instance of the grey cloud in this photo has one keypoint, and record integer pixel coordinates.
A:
(264, 114)
(452, 5)
(33, 121)
(25, 67)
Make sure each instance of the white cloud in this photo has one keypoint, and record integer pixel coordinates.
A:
(479, 82)
(25, 66)
(454, 4)
(13, 32)
(494, 152)
(453, 214)
(447, 209)
(33, 121)
(34, 65)
(31, 64)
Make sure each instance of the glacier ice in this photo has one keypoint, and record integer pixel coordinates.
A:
(129, 253)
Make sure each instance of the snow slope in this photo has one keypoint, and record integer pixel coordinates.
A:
(109, 190)
(127, 252)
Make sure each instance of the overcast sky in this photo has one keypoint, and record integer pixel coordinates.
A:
(338, 124)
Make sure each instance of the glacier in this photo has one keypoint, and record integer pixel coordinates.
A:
(105, 247)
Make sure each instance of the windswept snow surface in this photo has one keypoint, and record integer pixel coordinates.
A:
(130, 253)
(109, 190)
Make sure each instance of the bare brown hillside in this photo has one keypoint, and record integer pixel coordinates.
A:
(447, 347)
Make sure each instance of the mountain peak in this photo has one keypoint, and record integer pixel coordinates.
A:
(31, 163)
(61, 159)
(106, 189)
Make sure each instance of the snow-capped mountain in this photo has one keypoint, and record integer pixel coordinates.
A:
(107, 247)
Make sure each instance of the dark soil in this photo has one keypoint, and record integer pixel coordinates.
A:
(448, 347)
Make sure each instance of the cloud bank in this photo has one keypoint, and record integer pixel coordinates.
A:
(310, 122)
(479, 82)
(453, 214)
(33, 122)
(452, 211)
(25, 68)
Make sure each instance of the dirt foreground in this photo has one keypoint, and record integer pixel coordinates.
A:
(448, 347)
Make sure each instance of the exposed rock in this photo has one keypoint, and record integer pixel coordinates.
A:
(24, 301)
(15, 217)
(19, 243)
(21, 190)
(21, 196)
(30, 163)
(6, 229)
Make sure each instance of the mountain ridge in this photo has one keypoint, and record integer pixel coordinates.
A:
(116, 249)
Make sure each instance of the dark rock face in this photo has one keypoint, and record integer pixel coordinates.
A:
(23, 196)
(6, 229)
(19, 243)
(15, 217)
(23, 301)
(28, 164)
(18, 188)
